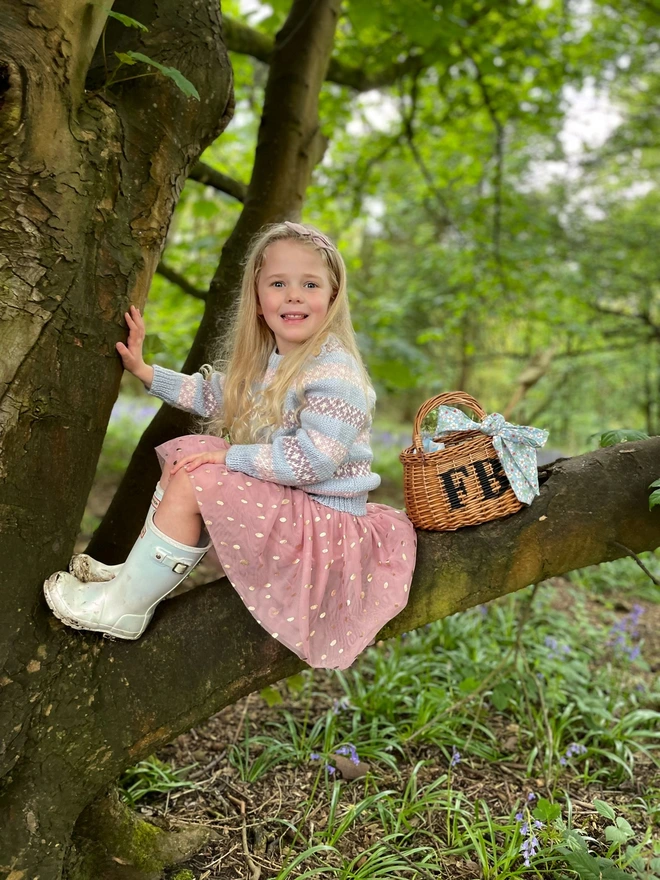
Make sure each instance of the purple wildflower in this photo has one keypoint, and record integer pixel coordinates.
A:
(572, 750)
(349, 750)
(556, 650)
(341, 705)
(530, 844)
(455, 757)
(531, 796)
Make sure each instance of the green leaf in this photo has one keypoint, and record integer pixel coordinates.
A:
(654, 499)
(624, 826)
(124, 58)
(655, 485)
(501, 695)
(127, 20)
(615, 835)
(153, 344)
(545, 811)
(604, 809)
(591, 867)
(272, 696)
(622, 435)
(172, 73)
(468, 685)
(296, 682)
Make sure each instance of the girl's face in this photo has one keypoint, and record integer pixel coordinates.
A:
(294, 292)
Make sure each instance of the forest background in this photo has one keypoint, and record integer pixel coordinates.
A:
(498, 214)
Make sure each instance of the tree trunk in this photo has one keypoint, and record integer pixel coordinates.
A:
(289, 146)
(88, 182)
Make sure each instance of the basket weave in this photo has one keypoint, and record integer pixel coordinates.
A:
(461, 485)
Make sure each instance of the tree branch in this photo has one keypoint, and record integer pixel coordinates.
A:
(205, 174)
(176, 278)
(206, 650)
(244, 40)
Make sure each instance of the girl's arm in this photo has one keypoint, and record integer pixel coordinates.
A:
(335, 414)
(200, 393)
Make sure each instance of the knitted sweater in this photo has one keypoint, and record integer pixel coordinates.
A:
(326, 452)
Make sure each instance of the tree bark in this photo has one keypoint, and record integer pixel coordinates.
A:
(88, 182)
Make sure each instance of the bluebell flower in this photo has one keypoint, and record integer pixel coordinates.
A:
(349, 750)
(341, 705)
(455, 757)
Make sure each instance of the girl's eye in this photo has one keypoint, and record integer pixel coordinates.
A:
(277, 283)
(313, 283)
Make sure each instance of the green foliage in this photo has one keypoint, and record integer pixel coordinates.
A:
(172, 73)
(151, 776)
(654, 498)
(127, 21)
(621, 435)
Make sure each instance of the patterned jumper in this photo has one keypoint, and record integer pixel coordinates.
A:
(325, 450)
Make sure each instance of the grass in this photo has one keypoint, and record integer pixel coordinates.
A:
(512, 740)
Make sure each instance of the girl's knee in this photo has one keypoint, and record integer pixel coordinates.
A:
(179, 490)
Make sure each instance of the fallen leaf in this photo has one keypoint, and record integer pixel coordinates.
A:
(348, 769)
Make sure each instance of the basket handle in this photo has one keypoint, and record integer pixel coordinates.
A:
(459, 398)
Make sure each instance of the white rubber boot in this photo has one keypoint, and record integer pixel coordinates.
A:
(123, 607)
(86, 568)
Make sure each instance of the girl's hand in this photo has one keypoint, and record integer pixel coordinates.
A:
(131, 354)
(190, 462)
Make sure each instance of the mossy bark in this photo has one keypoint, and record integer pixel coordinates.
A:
(111, 842)
(88, 181)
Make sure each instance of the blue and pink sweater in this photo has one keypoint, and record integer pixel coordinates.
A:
(326, 451)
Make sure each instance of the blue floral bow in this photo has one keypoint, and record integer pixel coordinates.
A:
(515, 446)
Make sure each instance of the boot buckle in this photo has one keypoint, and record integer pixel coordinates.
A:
(165, 558)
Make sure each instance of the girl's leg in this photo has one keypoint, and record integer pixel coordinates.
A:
(178, 514)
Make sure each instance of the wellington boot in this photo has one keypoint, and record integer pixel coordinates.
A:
(123, 607)
(86, 568)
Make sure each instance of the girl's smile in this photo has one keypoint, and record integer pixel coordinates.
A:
(294, 292)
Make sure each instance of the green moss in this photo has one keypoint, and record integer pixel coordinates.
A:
(186, 874)
(143, 847)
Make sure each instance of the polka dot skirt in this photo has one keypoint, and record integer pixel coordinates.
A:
(321, 581)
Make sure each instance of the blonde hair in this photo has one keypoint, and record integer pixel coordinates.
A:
(251, 416)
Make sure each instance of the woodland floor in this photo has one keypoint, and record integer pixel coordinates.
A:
(251, 818)
(222, 797)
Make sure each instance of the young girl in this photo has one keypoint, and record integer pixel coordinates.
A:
(284, 503)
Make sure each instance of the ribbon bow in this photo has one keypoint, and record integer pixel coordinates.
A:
(515, 446)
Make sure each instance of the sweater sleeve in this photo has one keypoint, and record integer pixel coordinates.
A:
(201, 393)
(333, 416)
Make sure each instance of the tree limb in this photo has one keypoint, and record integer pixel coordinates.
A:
(244, 40)
(180, 280)
(204, 173)
(206, 651)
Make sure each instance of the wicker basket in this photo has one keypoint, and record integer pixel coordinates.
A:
(461, 485)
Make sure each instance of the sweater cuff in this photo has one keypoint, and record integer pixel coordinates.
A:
(165, 384)
(240, 458)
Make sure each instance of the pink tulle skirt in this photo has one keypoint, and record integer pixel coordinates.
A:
(321, 581)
